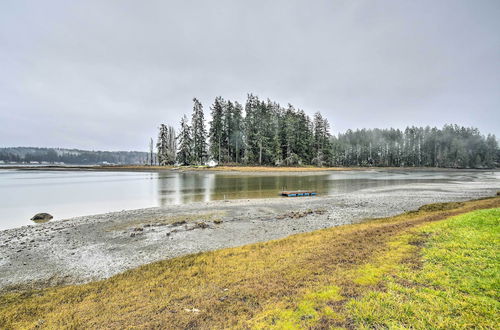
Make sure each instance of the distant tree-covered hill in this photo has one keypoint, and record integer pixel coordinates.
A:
(70, 156)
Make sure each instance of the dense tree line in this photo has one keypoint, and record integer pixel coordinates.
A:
(452, 146)
(265, 133)
(70, 156)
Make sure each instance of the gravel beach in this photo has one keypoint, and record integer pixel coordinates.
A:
(95, 247)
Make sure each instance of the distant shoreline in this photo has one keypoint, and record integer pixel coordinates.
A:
(227, 169)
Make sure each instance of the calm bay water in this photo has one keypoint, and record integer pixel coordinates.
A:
(74, 193)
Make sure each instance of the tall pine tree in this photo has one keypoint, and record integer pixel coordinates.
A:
(251, 129)
(216, 130)
(167, 145)
(199, 134)
(184, 154)
(237, 131)
(321, 139)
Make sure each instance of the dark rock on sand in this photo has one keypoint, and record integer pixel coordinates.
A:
(42, 217)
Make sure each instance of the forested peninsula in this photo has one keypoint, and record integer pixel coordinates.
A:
(265, 133)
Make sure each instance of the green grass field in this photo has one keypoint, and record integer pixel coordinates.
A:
(434, 268)
(453, 282)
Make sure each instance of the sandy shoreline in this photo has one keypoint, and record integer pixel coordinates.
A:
(139, 168)
(234, 170)
(88, 248)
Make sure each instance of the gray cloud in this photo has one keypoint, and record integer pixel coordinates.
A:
(104, 74)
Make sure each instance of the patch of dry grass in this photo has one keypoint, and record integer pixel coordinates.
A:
(304, 280)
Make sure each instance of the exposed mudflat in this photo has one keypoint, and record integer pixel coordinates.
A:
(88, 248)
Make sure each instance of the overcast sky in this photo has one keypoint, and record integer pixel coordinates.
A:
(104, 74)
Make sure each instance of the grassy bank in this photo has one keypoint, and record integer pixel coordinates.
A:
(436, 267)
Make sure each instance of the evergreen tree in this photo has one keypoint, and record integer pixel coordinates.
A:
(289, 137)
(251, 130)
(265, 126)
(166, 145)
(184, 155)
(217, 130)
(272, 136)
(491, 157)
(236, 133)
(227, 132)
(304, 140)
(199, 134)
(321, 139)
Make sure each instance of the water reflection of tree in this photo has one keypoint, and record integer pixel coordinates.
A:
(193, 187)
(168, 191)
